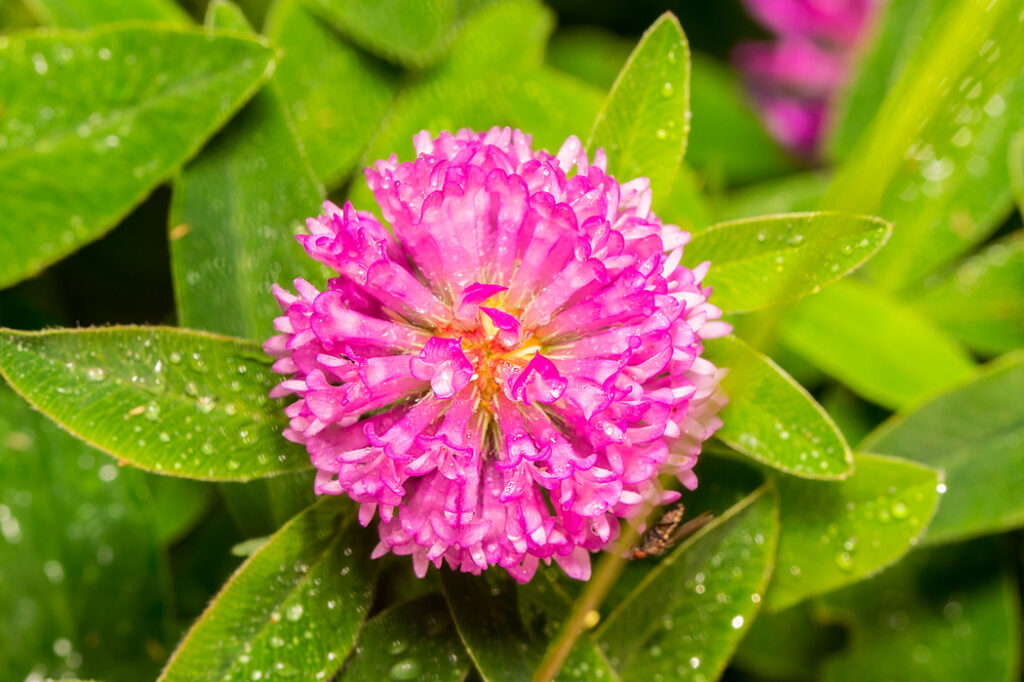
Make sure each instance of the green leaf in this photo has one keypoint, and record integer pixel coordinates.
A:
(686, 205)
(933, 161)
(765, 261)
(772, 419)
(501, 646)
(82, 565)
(334, 129)
(793, 193)
(179, 505)
(173, 401)
(981, 303)
(836, 533)
(789, 645)
(501, 36)
(882, 349)
(104, 117)
(1015, 152)
(414, 34)
(645, 120)
(975, 434)
(898, 30)
(413, 641)
(86, 13)
(686, 618)
(950, 613)
(293, 609)
(234, 214)
(589, 53)
(727, 141)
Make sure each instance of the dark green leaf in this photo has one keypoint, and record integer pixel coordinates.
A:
(685, 619)
(765, 261)
(316, 71)
(982, 301)
(789, 645)
(413, 641)
(835, 533)
(975, 433)
(236, 209)
(178, 505)
(83, 575)
(882, 349)
(501, 646)
(501, 36)
(951, 613)
(645, 120)
(933, 161)
(96, 120)
(1015, 152)
(167, 400)
(772, 419)
(86, 13)
(293, 609)
(411, 33)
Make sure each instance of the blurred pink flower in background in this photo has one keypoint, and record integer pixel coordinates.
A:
(505, 373)
(795, 80)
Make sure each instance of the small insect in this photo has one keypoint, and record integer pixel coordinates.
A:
(666, 532)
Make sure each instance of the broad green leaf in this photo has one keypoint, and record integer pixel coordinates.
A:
(933, 161)
(837, 532)
(975, 434)
(982, 302)
(1015, 153)
(502, 648)
(686, 205)
(293, 609)
(96, 120)
(86, 13)
(899, 25)
(727, 140)
(259, 507)
(772, 419)
(793, 193)
(854, 416)
(950, 613)
(413, 641)
(235, 211)
(317, 66)
(645, 120)
(83, 574)
(173, 401)
(766, 261)
(686, 618)
(788, 645)
(882, 349)
(504, 35)
(414, 33)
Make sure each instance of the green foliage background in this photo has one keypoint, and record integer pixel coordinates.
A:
(868, 485)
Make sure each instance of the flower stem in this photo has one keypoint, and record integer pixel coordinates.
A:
(601, 581)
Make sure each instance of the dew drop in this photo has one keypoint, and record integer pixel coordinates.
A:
(95, 374)
(397, 646)
(294, 612)
(407, 669)
(667, 90)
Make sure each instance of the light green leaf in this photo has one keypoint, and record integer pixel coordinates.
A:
(293, 609)
(880, 348)
(686, 618)
(765, 261)
(173, 401)
(950, 613)
(686, 205)
(837, 532)
(933, 161)
(1015, 152)
(317, 67)
(80, 555)
(86, 13)
(975, 433)
(645, 120)
(234, 214)
(590, 53)
(793, 193)
(501, 36)
(410, 33)
(413, 641)
(103, 117)
(500, 645)
(982, 301)
(772, 419)
(727, 141)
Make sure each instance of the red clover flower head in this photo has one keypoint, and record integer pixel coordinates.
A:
(503, 374)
